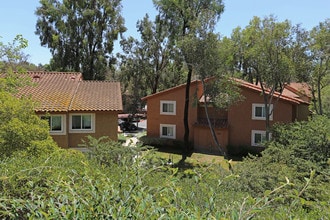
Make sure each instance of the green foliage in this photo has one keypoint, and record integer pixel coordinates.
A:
(307, 140)
(298, 152)
(189, 20)
(108, 152)
(20, 128)
(113, 181)
(80, 34)
(267, 52)
(319, 64)
(148, 65)
(162, 142)
(11, 55)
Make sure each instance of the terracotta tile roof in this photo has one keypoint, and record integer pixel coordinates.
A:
(66, 91)
(168, 90)
(287, 95)
(301, 90)
(97, 96)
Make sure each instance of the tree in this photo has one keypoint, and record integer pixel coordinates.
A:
(320, 60)
(149, 64)
(80, 34)
(11, 55)
(184, 18)
(266, 51)
(20, 128)
(218, 90)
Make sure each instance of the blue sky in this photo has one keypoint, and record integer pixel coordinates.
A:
(17, 17)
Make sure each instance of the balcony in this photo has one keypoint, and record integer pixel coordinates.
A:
(216, 122)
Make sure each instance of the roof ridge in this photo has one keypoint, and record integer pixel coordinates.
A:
(169, 89)
(74, 94)
(51, 72)
(277, 94)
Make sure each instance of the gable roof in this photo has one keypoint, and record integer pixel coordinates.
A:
(97, 96)
(168, 90)
(287, 95)
(67, 91)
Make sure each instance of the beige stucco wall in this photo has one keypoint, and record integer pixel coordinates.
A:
(106, 124)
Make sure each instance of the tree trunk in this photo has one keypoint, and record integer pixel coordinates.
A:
(267, 112)
(186, 147)
(319, 94)
(215, 139)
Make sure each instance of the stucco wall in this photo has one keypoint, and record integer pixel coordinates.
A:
(240, 118)
(303, 112)
(204, 142)
(178, 95)
(106, 124)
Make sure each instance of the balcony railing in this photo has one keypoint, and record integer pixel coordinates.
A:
(216, 122)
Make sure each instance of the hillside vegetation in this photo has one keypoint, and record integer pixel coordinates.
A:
(289, 181)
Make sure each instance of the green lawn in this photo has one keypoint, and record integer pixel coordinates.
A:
(196, 159)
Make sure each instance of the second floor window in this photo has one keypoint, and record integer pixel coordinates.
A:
(259, 112)
(168, 107)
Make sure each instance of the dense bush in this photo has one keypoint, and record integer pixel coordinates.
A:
(68, 184)
(116, 182)
(298, 152)
(20, 128)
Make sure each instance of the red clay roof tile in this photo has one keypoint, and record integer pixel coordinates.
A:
(97, 96)
(66, 91)
(287, 95)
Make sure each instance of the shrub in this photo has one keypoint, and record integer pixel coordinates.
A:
(306, 140)
(20, 128)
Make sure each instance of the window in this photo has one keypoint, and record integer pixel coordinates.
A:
(167, 131)
(82, 123)
(168, 107)
(257, 137)
(56, 123)
(259, 112)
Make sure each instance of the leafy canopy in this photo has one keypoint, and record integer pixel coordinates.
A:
(80, 34)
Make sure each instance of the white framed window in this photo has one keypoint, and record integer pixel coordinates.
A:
(258, 136)
(82, 123)
(259, 111)
(56, 124)
(167, 131)
(168, 107)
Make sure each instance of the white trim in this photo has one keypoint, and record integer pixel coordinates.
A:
(173, 136)
(63, 124)
(167, 102)
(91, 130)
(259, 105)
(263, 138)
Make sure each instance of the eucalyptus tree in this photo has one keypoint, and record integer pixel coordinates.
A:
(185, 18)
(219, 90)
(80, 34)
(319, 48)
(266, 53)
(149, 64)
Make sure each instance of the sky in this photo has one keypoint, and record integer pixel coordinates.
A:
(17, 17)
